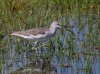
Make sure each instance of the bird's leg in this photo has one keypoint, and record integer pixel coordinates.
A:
(44, 45)
(35, 47)
(38, 45)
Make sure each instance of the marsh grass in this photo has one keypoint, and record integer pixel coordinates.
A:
(18, 15)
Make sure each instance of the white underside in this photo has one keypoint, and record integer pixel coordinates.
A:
(38, 37)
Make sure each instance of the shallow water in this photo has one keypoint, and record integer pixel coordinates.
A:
(71, 53)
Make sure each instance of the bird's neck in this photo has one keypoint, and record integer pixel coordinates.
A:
(52, 30)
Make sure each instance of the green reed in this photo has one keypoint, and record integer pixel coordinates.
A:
(24, 14)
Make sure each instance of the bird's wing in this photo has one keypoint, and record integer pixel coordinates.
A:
(37, 31)
(34, 31)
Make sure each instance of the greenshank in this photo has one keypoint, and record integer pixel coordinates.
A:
(39, 34)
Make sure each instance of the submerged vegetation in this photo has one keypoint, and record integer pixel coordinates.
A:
(76, 50)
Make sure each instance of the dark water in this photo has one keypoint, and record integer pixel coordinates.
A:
(70, 60)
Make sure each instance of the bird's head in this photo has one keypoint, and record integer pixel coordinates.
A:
(55, 25)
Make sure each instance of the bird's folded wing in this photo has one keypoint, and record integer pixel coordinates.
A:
(34, 31)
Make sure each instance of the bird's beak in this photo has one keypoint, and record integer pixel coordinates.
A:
(67, 28)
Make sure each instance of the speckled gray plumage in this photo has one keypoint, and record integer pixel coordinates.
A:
(34, 31)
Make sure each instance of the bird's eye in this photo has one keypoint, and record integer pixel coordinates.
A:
(58, 24)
